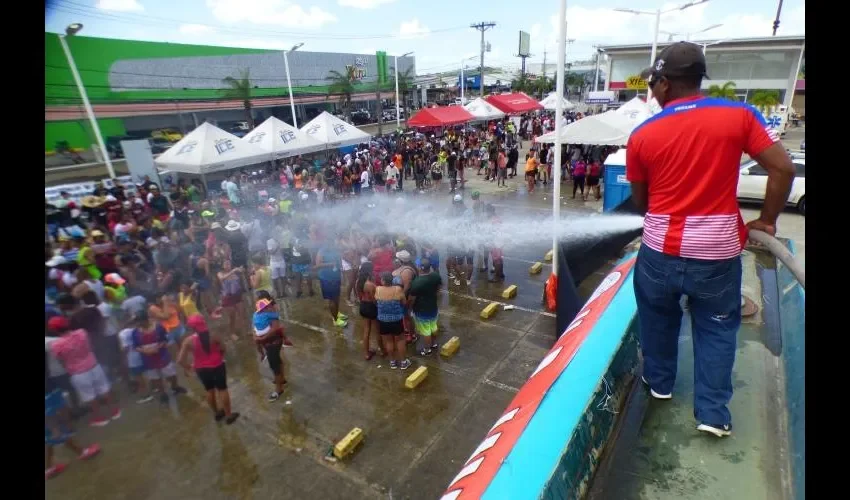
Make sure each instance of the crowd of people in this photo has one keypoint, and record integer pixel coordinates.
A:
(135, 276)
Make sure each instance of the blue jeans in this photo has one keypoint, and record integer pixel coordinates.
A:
(713, 289)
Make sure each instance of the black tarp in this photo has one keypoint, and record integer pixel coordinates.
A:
(578, 259)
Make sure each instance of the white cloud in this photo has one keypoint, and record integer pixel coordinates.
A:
(363, 4)
(275, 12)
(413, 29)
(120, 5)
(195, 29)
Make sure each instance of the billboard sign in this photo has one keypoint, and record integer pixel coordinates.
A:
(524, 44)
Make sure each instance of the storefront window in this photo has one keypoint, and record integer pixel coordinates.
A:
(745, 65)
(623, 67)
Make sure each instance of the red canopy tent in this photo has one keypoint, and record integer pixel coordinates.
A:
(515, 102)
(440, 117)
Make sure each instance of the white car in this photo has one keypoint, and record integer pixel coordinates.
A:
(752, 183)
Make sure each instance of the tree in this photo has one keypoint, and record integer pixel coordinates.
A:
(574, 81)
(542, 86)
(725, 91)
(405, 83)
(520, 83)
(342, 85)
(764, 99)
(241, 89)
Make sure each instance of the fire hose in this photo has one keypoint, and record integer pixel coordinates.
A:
(782, 253)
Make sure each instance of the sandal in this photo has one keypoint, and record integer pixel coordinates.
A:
(369, 355)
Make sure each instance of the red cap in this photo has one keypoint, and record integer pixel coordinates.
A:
(58, 324)
(197, 323)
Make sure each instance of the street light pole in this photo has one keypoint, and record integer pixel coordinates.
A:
(397, 117)
(289, 82)
(70, 31)
(559, 110)
(657, 13)
(596, 78)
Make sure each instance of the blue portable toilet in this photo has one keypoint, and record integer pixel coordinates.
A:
(616, 188)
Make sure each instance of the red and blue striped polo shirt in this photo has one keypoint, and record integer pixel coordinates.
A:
(689, 155)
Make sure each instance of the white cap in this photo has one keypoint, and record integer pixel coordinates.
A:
(458, 197)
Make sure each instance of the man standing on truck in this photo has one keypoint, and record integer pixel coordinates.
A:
(683, 167)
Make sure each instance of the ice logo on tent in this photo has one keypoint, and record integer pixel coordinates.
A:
(287, 136)
(223, 145)
(257, 138)
(339, 129)
(313, 129)
(188, 147)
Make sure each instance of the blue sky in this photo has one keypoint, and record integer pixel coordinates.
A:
(436, 30)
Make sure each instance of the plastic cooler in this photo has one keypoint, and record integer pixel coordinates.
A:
(616, 188)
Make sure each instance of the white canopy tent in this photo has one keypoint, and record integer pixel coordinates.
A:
(551, 101)
(611, 128)
(636, 109)
(210, 149)
(483, 110)
(281, 139)
(332, 132)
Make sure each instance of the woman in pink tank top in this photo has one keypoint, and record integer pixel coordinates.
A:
(208, 363)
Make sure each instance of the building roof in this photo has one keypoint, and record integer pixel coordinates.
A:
(796, 40)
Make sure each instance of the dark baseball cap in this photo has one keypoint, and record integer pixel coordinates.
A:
(678, 60)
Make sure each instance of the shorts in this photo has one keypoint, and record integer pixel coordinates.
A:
(53, 402)
(137, 371)
(592, 181)
(503, 173)
(531, 175)
(302, 269)
(278, 271)
(273, 357)
(213, 378)
(231, 300)
(91, 384)
(369, 310)
(159, 373)
(330, 289)
(425, 326)
(176, 334)
(391, 328)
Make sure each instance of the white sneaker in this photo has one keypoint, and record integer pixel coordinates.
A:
(719, 431)
(655, 394)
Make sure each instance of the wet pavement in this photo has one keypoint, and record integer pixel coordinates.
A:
(415, 440)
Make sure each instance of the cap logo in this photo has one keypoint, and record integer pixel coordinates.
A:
(659, 65)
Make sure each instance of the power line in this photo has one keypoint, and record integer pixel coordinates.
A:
(482, 27)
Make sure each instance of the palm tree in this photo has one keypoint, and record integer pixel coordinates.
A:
(726, 91)
(342, 85)
(573, 80)
(241, 89)
(405, 83)
(764, 99)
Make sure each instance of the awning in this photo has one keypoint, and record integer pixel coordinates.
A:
(281, 139)
(210, 149)
(515, 102)
(440, 117)
(333, 132)
(607, 129)
(551, 101)
(480, 109)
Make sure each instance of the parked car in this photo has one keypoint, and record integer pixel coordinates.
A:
(169, 134)
(159, 145)
(361, 117)
(803, 145)
(752, 183)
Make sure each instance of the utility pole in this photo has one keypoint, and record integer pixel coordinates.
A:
(482, 27)
(596, 78)
(776, 21)
(544, 64)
